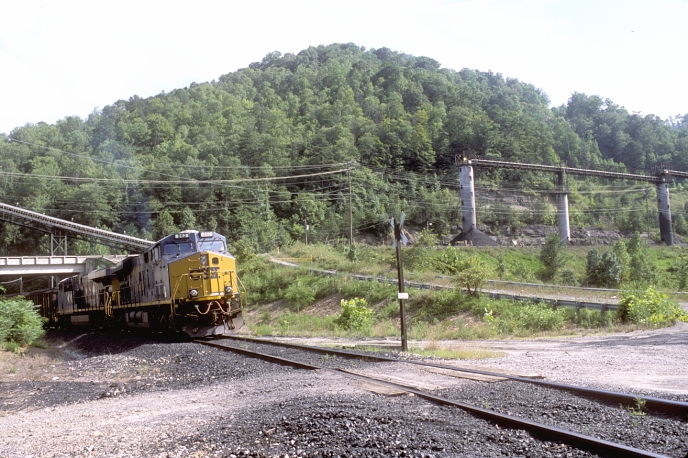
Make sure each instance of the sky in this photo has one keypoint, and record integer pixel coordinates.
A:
(67, 58)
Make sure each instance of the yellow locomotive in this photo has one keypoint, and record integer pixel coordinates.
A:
(185, 282)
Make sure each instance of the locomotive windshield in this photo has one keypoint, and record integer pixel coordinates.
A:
(211, 245)
(176, 248)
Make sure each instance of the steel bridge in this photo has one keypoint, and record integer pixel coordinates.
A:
(661, 179)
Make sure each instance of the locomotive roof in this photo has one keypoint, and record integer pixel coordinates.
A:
(188, 235)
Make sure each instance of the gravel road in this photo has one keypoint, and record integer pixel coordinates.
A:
(122, 395)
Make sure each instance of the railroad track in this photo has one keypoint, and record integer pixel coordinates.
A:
(544, 431)
(657, 405)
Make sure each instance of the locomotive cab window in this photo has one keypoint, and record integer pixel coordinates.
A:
(211, 245)
(177, 248)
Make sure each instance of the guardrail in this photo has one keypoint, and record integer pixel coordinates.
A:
(578, 305)
(308, 259)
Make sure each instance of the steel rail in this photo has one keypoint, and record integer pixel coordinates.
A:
(658, 405)
(551, 433)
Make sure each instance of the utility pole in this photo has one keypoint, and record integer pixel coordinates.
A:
(351, 213)
(400, 238)
(305, 225)
(647, 216)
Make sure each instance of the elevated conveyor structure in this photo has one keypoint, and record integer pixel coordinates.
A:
(59, 228)
(54, 265)
(661, 180)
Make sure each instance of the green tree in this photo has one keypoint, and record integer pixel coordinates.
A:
(624, 258)
(472, 275)
(680, 225)
(187, 220)
(552, 256)
(164, 225)
(603, 270)
(641, 269)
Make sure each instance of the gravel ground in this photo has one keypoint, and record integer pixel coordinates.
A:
(132, 395)
(644, 362)
(630, 426)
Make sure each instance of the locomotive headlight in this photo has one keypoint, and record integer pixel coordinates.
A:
(204, 259)
(193, 293)
(228, 290)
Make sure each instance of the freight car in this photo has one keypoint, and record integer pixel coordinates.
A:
(186, 282)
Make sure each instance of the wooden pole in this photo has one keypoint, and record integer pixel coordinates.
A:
(351, 213)
(402, 294)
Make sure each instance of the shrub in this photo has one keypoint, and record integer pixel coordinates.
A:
(419, 259)
(473, 274)
(355, 314)
(649, 307)
(603, 270)
(568, 277)
(551, 256)
(523, 318)
(434, 306)
(20, 323)
(299, 295)
(389, 311)
(450, 260)
(621, 252)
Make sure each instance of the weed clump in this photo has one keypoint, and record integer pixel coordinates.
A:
(649, 307)
(355, 314)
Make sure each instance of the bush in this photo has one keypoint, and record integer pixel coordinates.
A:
(568, 277)
(523, 318)
(450, 260)
(649, 307)
(299, 295)
(551, 256)
(20, 323)
(603, 270)
(473, 274)
(434, 306)
(355, 314)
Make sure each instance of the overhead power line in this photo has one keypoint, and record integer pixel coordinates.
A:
(118, 180)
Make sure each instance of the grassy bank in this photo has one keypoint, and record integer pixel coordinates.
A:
(289, 301)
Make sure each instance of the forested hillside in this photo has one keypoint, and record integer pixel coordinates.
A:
(208, 156)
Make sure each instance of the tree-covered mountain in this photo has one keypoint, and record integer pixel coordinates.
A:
(206, 156)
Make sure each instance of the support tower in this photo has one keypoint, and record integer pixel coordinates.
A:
(467, 194)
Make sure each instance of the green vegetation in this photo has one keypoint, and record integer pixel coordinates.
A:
(264, 154)
(603, 270)
(152, 166)
(451, 353)
(355, 314)
(432, 314)
(649, 308)
(551, 256)
(20, 324)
